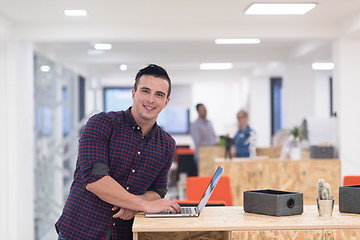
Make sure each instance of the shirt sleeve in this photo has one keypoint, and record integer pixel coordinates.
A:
(93, 148)
(160, 183)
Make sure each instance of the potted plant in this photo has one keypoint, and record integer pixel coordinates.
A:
(325, 202)
(295, 143)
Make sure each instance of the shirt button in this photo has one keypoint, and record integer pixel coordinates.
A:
(138, 153)
(133, 170)
(138, 128)
(133, 127)
(127, 188)
(114, 224)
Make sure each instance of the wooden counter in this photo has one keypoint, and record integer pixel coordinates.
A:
(207, 155)
(285, 175)
(233, 223)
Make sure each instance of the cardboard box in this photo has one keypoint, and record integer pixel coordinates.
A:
(349, 199)
(273, 202)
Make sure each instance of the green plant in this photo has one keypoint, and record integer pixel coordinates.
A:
(295, 132)
(324, 190)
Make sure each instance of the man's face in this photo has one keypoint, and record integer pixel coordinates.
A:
(150, 98)
(202, 111)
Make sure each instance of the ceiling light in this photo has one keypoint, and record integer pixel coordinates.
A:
(102, 46)
(322, 66)
(75, 13)
(45, 68)
(216, 66)
(237, 41)
(279, 8)
(123, 67)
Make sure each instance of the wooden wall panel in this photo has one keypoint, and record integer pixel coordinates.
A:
(207, 155)
(181, 236)
(278, 235)
(285, 175)
(348, 234)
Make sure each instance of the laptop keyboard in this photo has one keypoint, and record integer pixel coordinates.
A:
(186, 210)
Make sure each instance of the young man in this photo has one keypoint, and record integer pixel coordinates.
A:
(122, 167)
(202, 131)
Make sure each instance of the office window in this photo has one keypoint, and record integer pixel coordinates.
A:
(276, 105)
(81, 80)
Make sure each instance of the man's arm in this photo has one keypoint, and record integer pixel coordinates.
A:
(112, 192)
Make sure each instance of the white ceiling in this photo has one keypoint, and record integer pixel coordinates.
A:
(178, 34)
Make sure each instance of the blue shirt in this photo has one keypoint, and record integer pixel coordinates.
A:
(113, 142)
(241, 142)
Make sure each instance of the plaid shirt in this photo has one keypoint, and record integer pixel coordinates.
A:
(138, 163)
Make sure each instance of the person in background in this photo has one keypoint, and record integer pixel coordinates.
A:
(122, 166)
(202, 131)
(242, 138)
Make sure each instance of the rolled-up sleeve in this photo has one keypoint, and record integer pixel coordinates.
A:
(93, 148)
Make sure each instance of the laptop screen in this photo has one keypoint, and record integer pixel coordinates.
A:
(210, 188)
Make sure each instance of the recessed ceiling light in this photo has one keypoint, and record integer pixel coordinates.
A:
(322, 66)
(102, 46)
(279, 8)
(216, 66)
(45, 68)
(237, 41)
(123, 67)
(75, 12)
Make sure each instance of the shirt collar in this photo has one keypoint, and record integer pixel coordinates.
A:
(136, 127)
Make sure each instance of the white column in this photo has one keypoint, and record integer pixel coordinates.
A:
(346, 95)
(298, 94)
(4, 182)
(20, 144)
(260, 110)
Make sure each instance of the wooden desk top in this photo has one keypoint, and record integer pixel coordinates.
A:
(269, 160)
(235, 219)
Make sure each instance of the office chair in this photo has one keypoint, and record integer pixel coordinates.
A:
(195, 187)
(351, 180)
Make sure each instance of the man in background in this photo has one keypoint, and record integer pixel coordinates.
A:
(202, 131)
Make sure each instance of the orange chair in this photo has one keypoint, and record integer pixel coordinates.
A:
(351, 180)
(195, 187)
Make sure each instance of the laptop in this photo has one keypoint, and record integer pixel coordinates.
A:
(194, 211)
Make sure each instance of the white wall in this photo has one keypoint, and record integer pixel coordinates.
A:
(299, 93)
(347, 83)
(17, 161)
(4, 130)
(260, 110)
(322, 94)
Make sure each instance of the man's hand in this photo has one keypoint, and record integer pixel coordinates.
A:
(160, 205)
(123, 213)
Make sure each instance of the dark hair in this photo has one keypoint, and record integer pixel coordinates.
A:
(198, 106)
(153, 70)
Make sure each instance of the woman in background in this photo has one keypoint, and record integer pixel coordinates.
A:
(244, 136)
